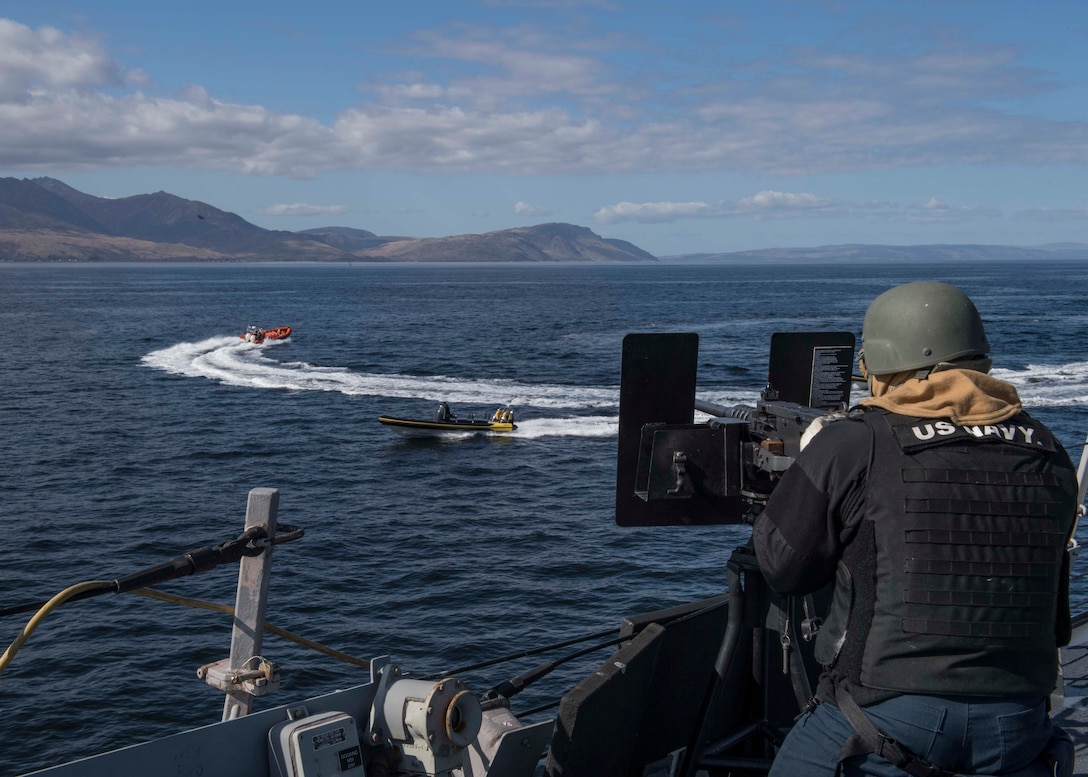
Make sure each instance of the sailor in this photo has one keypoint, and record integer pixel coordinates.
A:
(941, 511)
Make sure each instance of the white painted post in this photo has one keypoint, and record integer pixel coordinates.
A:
(249, 608)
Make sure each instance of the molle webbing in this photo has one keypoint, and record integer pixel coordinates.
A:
(969, 534)
(974, 476)
(965, 554)
(984, 507)
(979, 598)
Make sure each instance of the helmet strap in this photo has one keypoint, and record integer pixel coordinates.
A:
(977, 363)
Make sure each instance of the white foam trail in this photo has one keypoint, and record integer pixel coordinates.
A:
(1039, 385)
(1048, 385)
(727, 398)
(234, 362)
(580, 426)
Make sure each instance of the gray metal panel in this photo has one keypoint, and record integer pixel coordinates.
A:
(599, 720)
(236, 748)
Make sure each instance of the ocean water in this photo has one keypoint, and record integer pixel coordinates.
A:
(135, 421)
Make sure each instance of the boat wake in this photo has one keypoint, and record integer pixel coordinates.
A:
(1048, 385)
(233, 362)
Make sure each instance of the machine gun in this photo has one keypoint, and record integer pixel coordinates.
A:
(673, 471)
(709, 687)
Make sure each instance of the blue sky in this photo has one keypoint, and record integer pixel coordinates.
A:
(683, 127)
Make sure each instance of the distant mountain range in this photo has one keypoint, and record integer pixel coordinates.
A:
(44, 219)
(882, 254)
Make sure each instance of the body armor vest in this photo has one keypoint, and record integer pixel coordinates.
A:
(969, 527)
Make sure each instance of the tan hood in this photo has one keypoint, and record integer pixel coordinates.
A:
(962, 396)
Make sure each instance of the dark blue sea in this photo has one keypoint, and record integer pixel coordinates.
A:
(134, 421)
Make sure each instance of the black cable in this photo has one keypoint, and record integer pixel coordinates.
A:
(515, 685)
(200, 560)
(536, 710)
(515, 656)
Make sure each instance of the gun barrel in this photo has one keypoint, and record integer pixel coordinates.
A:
(743, 412)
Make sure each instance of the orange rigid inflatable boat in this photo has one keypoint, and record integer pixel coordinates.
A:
(255, 334)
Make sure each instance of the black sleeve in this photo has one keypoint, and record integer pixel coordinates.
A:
(814, 509)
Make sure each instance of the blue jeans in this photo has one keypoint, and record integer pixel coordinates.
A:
(967, 735)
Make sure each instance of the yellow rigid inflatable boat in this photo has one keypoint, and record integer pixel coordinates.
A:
(445, 422)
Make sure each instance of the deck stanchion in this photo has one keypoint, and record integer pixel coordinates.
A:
(249, 608)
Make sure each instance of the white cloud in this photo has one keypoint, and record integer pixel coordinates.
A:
(515, 62)
(783, 201)
(1055, 214)
(302, 209)
(651, 212)
(75, 130)
(934, 211)
(766, 204)
(411, 91)
(46, 58)
(525, 209)
(530, 100)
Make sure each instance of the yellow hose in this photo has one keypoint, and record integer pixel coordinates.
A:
(44, 611)
(151, 593)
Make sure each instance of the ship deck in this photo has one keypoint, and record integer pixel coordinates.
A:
(1073, 715)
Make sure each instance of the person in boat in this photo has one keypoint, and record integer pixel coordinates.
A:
(941, 511)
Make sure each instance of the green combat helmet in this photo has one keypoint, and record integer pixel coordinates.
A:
(918, 325)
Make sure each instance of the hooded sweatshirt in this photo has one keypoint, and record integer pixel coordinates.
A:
(961, 396)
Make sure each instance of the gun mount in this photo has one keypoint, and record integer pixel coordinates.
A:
(673, 471)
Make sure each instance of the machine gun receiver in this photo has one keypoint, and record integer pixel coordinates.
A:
(673, 471)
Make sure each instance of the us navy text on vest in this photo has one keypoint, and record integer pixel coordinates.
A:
(928, 432)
